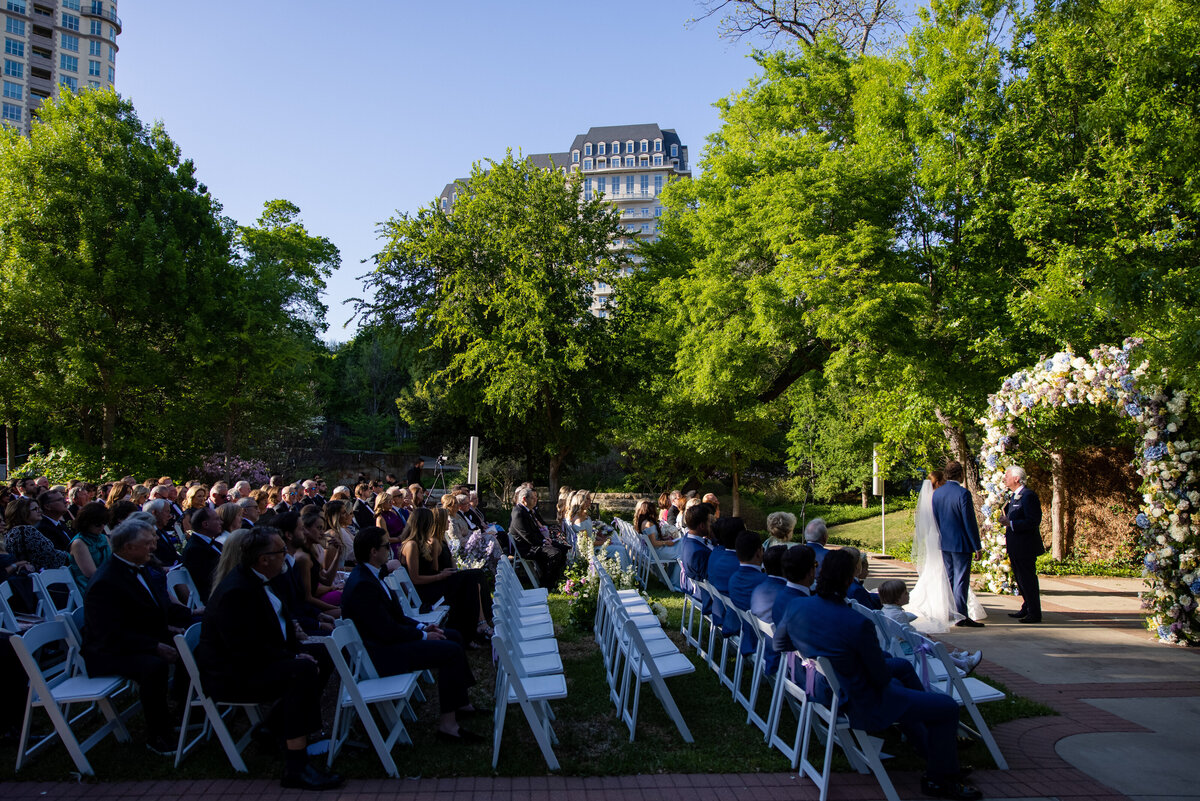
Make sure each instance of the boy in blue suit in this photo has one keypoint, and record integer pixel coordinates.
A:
(722, 564)
(799, 565)
(696, 550)
(743, 582)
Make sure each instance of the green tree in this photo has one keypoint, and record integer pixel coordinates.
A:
(112, 263)
(500, 288)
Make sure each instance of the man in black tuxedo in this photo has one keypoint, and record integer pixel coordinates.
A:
(533, 539)
(202, 552)
(397, 643)
(128, 626)
(249, 651)
(1022, 521)
(53, 523)
(364, 513)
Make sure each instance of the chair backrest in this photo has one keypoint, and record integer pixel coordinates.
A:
(349, 655)
(406, 586)
(186, 644)
(38, 637)
(180, 577)
(56, 577)
(8, 618)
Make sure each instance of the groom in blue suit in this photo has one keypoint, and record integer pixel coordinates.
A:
(954, 511)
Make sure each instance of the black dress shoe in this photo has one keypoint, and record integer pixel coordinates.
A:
(955, 790)
(1020, 613)
(311, 779)
(463, 737)
(1030, 619)
(967, 623)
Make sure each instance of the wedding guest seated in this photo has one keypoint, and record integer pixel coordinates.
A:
(667, 546)
(130, 623)
(743, 583)
(398, 644)
(90, 548)
(533, 539)
(816, 536)
(364, 515)
(893, 594)
(579, 520)
(338, 519)
(119, 491)
(120, 511)
(230, 515)
(861, 570)
(762, 600)
(202, 552)
(696, 551)
(878, 691)
(139, 495)
(781, 526)
(196, 497)
(304, 565)
(388, 519)
(249, 652)
(460, 529)
(425, 554)
(722, 564)
(25, 542)
(712, 500)
(54, 518)
(167, 549)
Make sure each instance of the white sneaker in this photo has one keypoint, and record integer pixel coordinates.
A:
(973, 660)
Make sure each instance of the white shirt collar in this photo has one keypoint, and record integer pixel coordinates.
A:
(800, 587)
(752, 567)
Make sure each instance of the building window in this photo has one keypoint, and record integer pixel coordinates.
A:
(587, 149)
(658, 159)
(14, 26)
(629, 184)
(14, 90)
(68, 63)
(93, 84)
(629, 146)
(14, 69)
(444, 204)
(112, 34)
(95, 28)
(112, 54)
(645, 185)
(601, 164)
(600, 182)
(14, 48)
(674, 151)
(629, 161)
(575, 156)
(645, 146)
(587, 164)
(70, 22)
(70, 42)
(94, 48)
(616, 147)
(71, 4)
(17, 6)
(69, 82)
(645, 228)
(94, 68)
(616, 187)
(658, 211)
(97, 7)
(646, 211)
(12, 112)
(600, 149)
(657, 145)
(644, 161)
(112, 75)
(658, 184)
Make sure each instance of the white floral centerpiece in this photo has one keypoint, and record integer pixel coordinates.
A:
(1168, 464)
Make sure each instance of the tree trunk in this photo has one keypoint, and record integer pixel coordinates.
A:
(737, 496)
(556, 463)
(866, 495)
(957, 439)
(1058, 507)
(10, 447)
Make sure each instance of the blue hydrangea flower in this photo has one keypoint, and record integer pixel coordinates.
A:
(1122, 358)
(1155, 451)
(1027, 400)
(991, 460)
(1132, 409)
(1195, 587)
(1127, 383)
(1143, 522)
(1049, 365)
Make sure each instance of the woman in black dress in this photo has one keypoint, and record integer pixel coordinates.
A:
(426, 556)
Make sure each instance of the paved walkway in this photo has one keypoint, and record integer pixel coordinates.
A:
(1127, 729)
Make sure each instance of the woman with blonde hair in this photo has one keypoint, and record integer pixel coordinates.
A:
(263, 499)
(426, 556)
(668, 548)
(388, 519)
(231, 519)
(119, 492)
(781, 526)
(578, 521)
(339, 541)
(196, 497)
(139, 495)
(458, 528)
(231, 555)
(564, 505)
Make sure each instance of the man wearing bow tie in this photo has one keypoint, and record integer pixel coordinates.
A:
(128, 627)
(1022, 521)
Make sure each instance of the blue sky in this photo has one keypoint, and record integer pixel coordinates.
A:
(357, 111)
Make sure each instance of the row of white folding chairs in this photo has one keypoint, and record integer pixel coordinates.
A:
(644, 556)
(931, 660)
(529, 670)
(636, 651)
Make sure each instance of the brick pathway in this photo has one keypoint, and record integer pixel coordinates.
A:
(1036, 770)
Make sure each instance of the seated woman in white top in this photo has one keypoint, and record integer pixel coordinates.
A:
(663, 536)
(579, 521)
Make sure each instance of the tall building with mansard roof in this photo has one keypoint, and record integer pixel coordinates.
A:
(627, 164)
(53, 43)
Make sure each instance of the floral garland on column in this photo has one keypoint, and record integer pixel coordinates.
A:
(1168, 464)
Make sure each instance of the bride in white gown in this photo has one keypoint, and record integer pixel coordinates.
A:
(932, 600)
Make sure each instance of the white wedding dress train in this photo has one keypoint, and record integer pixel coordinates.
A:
(932, 600)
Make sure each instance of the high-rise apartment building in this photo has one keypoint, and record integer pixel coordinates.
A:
(627, 164)
(53, 43)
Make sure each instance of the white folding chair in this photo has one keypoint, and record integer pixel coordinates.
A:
(178, 578)
(515, 556)
(656, 565)
(410, 601)
(507, 573)
(56, 577)
(719, 664)
(693, 612)
(755, 659)
(832, 726)
(58, 690)
(969, 691)
(532, 693)
(11, 620)
(362, 688)
(216, 713)
(642, 667)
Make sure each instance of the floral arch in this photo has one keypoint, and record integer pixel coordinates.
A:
(1169, 466)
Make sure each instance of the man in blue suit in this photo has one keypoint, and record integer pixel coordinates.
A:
(696, 551)
(1022, 521)
(743, 582)
(799, 565)
(721, 565)
(954, 511)
(816, 536)
(876, 691)
(762, 600)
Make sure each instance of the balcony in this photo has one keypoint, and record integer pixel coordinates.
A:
(110, 15)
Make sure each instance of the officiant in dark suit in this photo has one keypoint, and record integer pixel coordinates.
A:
(1022, 521)
(954, 511)
(127, 630)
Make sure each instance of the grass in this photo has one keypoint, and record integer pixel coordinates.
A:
(593, 742)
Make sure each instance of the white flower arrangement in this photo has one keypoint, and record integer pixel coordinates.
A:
(1169, 535)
